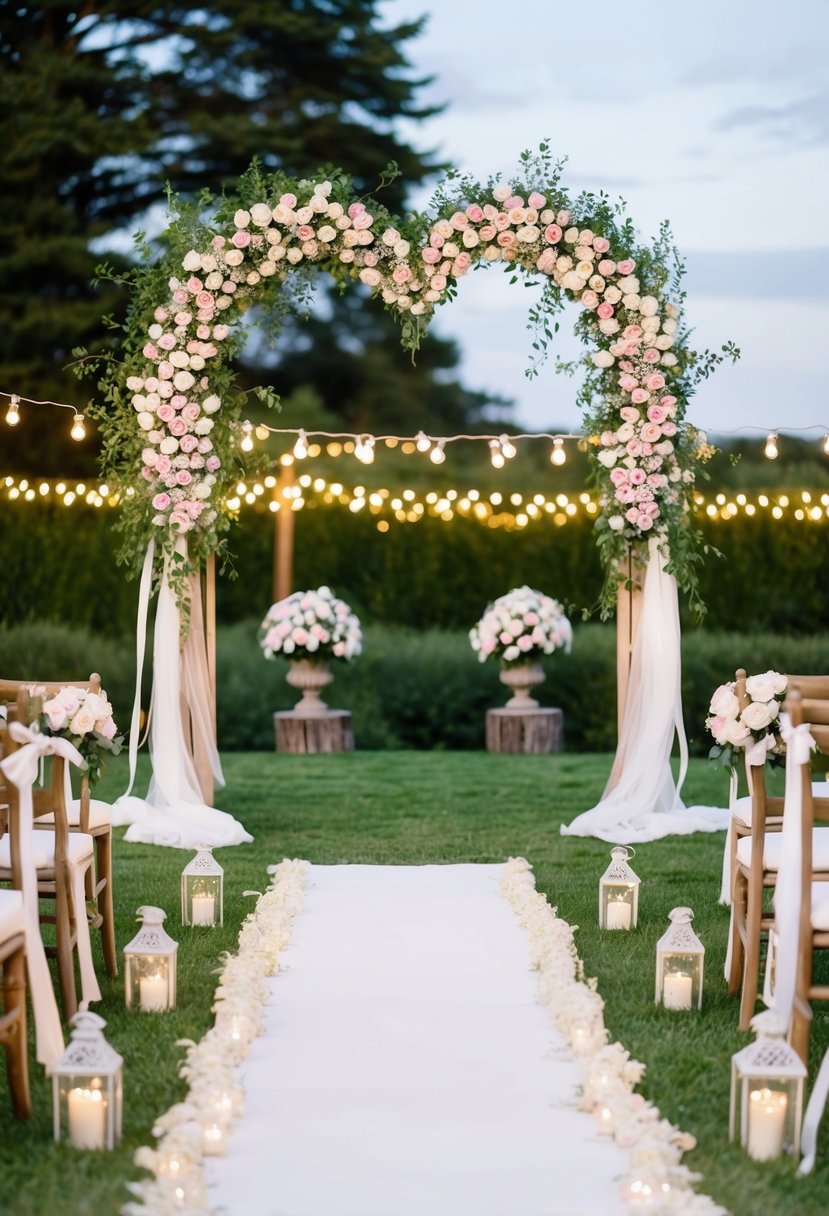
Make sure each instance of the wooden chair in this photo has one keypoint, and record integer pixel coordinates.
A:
(814, 898)
(756, 847)
(58, 853)
(89, 816)
(13, 1034)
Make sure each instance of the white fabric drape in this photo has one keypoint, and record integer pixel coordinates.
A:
(173, 813)
(644, 804)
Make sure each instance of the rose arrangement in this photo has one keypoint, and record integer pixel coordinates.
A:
(311, 625)
(754, 730)
(521, 625)
(85, 719)
(178, 418)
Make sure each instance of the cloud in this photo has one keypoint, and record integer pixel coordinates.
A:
(802, 124)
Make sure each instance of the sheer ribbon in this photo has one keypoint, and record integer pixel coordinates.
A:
(644, 803)
(21, 768)
(174, 812)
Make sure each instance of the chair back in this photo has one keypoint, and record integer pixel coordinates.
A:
(48, 799)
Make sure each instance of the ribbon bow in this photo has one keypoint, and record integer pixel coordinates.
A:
(21, 766)
(798, 740)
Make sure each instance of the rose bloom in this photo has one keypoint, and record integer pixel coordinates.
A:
(651, 355)
(639, 396)
(759, 714)
(619, 477)
(605, 310)
(764, 687)
(637, 477)
(629, 413)
(626, 266)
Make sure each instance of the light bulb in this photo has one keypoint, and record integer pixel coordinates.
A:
(246, 443)
(558, 454)
(13, 412)
(364, 449)
(771, 451)
(438, 455)
(826, 443)
(422, 442)
(301, 446)
(78, 431)
(507, 447)
(495, 454)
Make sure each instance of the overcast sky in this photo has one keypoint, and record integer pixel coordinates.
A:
(713, 115)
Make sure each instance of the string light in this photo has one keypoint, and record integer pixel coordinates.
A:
(422, 442)
(508, 448)
(301, 446)
(364, 449)
(770, 450)
(496, 454)
(78, 431)
(826, 444)
(438, 454)
(246, 443)
(13, 412)
(558, 454)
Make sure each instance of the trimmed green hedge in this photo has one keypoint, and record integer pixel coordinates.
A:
(415, 689)
(58, 566)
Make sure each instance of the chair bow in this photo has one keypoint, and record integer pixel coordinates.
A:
(21, 766)
(798, 740)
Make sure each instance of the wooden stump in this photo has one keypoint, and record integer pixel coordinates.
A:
(328, 732)
(524, 732)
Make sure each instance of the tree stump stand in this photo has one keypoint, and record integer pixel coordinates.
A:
(529, 732)
(314, 733)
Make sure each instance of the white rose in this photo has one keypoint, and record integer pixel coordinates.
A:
(155, 331)
(631, 301)
(234, 257)
(596, 282)
(735, 732)
(612, 295)
(663, 341)
(183, 381)
(241, 219)
(607, 457)
(572, 280)
(266, 269)
(201, 490)
(724, 703)
(146, 421)
(616, 523)
(501, 193)
(192, 261)
(584, 269)
(214, 280)
(203, 426)
(649, 306)
(208, 262)
(625, 432)
(169, 445)
(294, 255)
(211, 404)
(650, 325)
(327, 234)
(261, 214)
(471, 239)
(179, 358)
(511, 654)
(571, 236)
(603, 358)
(401, 249)
(609, 325)
(669, 359)
(761, 688)
(629, 285)
(757, 715)
(196, 363)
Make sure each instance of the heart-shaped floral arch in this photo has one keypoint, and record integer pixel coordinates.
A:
(172, 420)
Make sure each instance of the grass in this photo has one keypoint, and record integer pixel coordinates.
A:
(416, 807)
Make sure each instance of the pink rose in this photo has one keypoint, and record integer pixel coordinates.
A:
(462, 263)
(191, 412)
(644, 521)
(633, 447)
(606, 267)
(363, 221)
(627, 382)
(589, 298)
(430, 255)
(536, 200)
(107, 728)
(166, 413)
(205, 300)
(289, 201)
(629, 413)
(401, 274)
(436, 240)
(165, 389)
(161, 314)
(240, 239)
(212, 464)
(178, 400)
(625, 366)
(188, 443)
(637, 477)
(669, 428)
(150, 351)
(625, 493)
(356, 209)
(475, 213)
(161, 502)
(656, 413)
(305, 232)
(506, 239)
(184, 477)
(605, 310)
(512, 203)
(655, 381)
(639, 396)
(167, 341)
(618, 477)
(651, 355)
(667, 402)
(547, 262)
(487, 231)
(180, 296)
(632, 331)
(459, 220)
(163, 465)
(194, 284)
(165, 370)
(601, 244)
(651, 433)
(552, 234)
(178, 426)
(626, 267)
(657, 480)
(632, 515)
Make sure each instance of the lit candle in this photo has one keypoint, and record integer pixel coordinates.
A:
(203, 909)
(153, 993)
(618, 914)
(214, 1139)
(766, 1121)
(86, 1118)
(676, 991)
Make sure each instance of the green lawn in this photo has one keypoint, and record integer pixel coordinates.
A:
(415, 807)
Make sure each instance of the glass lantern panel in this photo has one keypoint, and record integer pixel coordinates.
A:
(770, 1116)
(201, 899)
(618, 905)
(680, 979)
(150, 982)
(86, 1108)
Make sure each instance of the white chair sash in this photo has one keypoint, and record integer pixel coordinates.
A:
(812, 1118)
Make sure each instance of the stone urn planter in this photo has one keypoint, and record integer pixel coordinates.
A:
(520, 678)
(310, 677)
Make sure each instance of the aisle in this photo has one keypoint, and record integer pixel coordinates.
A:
(405, 1067)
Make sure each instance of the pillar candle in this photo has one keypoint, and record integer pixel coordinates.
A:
(86, 1118)
(203, 909)
(676, 991)
(766, 1121)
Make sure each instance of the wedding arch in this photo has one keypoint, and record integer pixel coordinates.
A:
(172, 425)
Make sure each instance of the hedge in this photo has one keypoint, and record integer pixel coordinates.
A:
(414, 689)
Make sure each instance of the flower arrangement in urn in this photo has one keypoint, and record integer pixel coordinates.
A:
(518, 628)
(309, 628)
(754, 730)
(85, 719)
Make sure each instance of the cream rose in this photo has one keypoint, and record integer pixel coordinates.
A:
(758, 715)
(724, 702)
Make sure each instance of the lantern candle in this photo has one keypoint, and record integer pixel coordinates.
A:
(618, 914)
(203, 909)
(676, 991)
(153, 993)
(766, 1121)
(87, 1127)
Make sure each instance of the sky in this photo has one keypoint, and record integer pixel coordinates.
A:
(713, 115)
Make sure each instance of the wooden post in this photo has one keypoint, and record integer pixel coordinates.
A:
(283, 536)
(628, 610)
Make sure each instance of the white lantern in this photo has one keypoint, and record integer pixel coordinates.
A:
(86, 1087)
(150, 970)
(679, 959)
(202, 883)
(767, 1080)
(619, 892)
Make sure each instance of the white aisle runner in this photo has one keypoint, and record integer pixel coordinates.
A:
(406, 1068)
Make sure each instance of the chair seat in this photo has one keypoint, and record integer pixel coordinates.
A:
(78, 851)
(820, 905)
(12, 918)
(100, 814)
(741, 810)
(773, 847)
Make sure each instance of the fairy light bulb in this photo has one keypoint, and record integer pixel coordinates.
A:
(437, 454)
(364, 449)
(826, 443)
(507, 447)
(558, 454)
(301, 446)
(771, 451)
(246, 443)
(422, 442)
(495, 454)
(13, 412)
(78, 431)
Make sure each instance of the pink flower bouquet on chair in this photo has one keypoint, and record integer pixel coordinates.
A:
(85, 719)
(754, 730)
